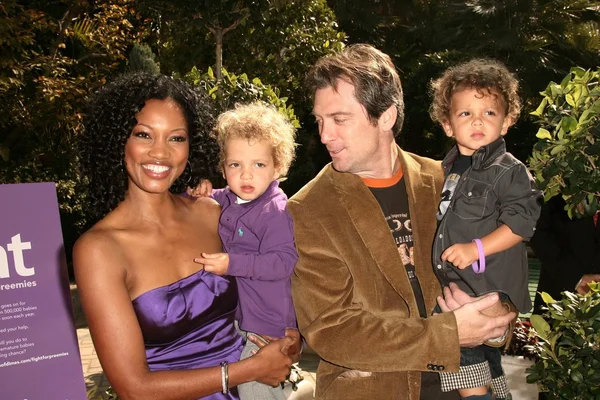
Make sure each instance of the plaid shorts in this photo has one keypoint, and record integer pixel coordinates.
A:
(479, 366)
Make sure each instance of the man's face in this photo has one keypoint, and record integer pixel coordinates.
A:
(354, 143)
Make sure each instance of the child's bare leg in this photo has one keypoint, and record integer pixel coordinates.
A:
(499, 309)
(479, 392)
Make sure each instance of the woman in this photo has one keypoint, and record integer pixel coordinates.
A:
(162, 328)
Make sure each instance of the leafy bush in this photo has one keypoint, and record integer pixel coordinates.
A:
(141, 58)
(52, 56)
(238, 88)
(523, 340)
(565, 159)
(568, 351)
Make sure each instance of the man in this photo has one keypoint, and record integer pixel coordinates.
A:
(363, 296)
(569, 251)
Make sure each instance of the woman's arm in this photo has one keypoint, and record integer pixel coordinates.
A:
(101, 279)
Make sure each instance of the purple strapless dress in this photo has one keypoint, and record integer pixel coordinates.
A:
(189, 324)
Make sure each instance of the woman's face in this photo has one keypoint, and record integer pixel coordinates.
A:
(156, 153)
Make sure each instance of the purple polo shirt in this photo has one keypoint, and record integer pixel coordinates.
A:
(259, 238)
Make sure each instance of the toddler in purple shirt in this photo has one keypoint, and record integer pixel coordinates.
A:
(256, 149)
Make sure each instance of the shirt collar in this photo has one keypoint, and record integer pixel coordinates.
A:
(482, 158)
(271, 190)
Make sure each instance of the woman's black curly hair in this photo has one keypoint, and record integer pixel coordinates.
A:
(109, 122)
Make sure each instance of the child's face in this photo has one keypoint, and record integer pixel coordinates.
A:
(477, 119)
(249, 167)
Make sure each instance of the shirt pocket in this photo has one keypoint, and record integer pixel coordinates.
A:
(472, 199)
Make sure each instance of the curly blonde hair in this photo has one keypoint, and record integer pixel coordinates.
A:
(484, 75)
(258, 121)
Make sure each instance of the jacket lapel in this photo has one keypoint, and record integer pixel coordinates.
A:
(368, 220)
(423, 197)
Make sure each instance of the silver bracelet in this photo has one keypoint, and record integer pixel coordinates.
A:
(225, 377)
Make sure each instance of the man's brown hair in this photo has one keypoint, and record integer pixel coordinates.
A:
(376, 82)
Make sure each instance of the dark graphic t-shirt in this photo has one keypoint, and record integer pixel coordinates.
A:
(393, 199)
(459, 166)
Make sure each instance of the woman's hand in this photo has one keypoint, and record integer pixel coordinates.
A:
(294, 350)
(274, 362)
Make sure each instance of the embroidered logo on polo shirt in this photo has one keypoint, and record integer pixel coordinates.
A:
(240, 232)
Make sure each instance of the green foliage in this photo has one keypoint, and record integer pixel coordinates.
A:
(523, 340)
(279, 43)
(538, 39)
(568, 351)
(285, 39)
(52, 56)
(96, 393)
(276, 41)
(142, 58)
(239, 89)
(566, 158)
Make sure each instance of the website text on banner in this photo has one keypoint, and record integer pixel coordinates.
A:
(37, 332)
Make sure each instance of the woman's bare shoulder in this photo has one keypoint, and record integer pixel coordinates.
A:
(99, 245)
(203, 207)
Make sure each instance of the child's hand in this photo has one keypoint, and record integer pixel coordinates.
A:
(204, 189)
(461, 255)
(294, 350)
(217, 263)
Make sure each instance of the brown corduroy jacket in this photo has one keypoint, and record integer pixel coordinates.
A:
(352, 296)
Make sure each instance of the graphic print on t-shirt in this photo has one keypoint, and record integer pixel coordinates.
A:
(401, 230)
(459, 166)
(447, 192)
(393, 200)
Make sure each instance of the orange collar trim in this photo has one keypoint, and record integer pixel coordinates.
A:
(383, 183)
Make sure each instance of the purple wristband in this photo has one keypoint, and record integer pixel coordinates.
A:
(479, 268)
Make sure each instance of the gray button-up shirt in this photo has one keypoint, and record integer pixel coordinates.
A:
(496, 190)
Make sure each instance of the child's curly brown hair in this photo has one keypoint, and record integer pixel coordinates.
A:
(256, 122)
(481, 74)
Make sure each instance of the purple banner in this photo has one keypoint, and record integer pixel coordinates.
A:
(39, 354)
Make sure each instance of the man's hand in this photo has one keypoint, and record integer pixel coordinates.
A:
(461, 255)
(204, 189)
(294, 350)
(582, 286)
(474, 327)
(217, 263)
(454, 298)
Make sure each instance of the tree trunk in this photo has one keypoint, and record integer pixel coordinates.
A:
(218, 32)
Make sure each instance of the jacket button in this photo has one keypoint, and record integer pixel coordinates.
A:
(439, 266)
(442, 368)
(470, 193)
(430, 366)
(441, 236)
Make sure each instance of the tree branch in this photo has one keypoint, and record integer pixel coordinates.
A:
(91, 56)
(63, 25)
